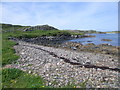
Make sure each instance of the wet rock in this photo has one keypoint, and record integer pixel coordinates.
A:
(90, 44)
(105, 44)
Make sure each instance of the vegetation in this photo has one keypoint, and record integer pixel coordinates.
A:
(11, 28)
(41, 27)
(81, 32)
(8, 53)
(113, 32)
(15, 78)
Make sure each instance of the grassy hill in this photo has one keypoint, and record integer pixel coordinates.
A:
(12, 28)
(40, 27)
(8, 30)
(113, 32)
(84, 31)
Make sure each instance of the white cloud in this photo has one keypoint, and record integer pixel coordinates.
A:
(64, 16)
(60, 0)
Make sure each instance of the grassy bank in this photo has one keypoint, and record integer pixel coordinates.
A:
(15, 78)
(8, 53)
(113, 32)
(7, 50)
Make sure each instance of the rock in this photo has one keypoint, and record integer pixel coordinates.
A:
(74, 48)
(90, 44)
(87, 63)
(105, 44)
(22, 53)
(29, 72)
(48, 65)
(106, 40)
(17, 44)
(89, 36)
(73, 44)
(52, 68)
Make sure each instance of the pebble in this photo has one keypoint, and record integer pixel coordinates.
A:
(52, 68)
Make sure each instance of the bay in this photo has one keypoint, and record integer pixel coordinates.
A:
(98, 37)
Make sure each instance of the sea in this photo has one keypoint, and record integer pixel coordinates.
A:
(98, 37)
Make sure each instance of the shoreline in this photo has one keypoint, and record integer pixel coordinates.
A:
(62, 43)
(54, 69)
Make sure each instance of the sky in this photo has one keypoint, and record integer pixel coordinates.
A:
(100, 16)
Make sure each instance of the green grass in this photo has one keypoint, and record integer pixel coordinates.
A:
(113, 32)
(8, 53)
(15, 78)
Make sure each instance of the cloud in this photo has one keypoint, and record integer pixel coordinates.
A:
(60, 0)
(61, 15)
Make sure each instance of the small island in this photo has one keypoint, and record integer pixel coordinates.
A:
(106, 40)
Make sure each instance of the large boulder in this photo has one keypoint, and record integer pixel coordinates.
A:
(73, 44)
(90, 44)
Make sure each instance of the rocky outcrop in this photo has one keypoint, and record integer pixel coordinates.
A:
(81, 36)
(91, 47)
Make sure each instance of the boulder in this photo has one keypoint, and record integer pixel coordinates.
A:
(73, 44)
(105, 44)
(90, 44)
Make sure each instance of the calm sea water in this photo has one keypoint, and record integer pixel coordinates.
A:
(97, 40)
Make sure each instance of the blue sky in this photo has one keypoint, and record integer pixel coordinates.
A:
(101, 16)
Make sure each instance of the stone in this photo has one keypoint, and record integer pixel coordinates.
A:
(106, 40)
(90, 44)
(64, 73)
(87, 63)
(22, 53)
(29, 72)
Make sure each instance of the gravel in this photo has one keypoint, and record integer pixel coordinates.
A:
(58, 73)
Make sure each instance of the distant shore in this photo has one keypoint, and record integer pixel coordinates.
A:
(61, 43)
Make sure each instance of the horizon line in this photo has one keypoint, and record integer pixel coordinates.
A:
(62, 29)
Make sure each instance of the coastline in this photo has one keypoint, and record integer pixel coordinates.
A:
(61, 42)
(62, 64)
(54, 69)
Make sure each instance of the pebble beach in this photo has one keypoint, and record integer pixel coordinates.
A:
(37, 60)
